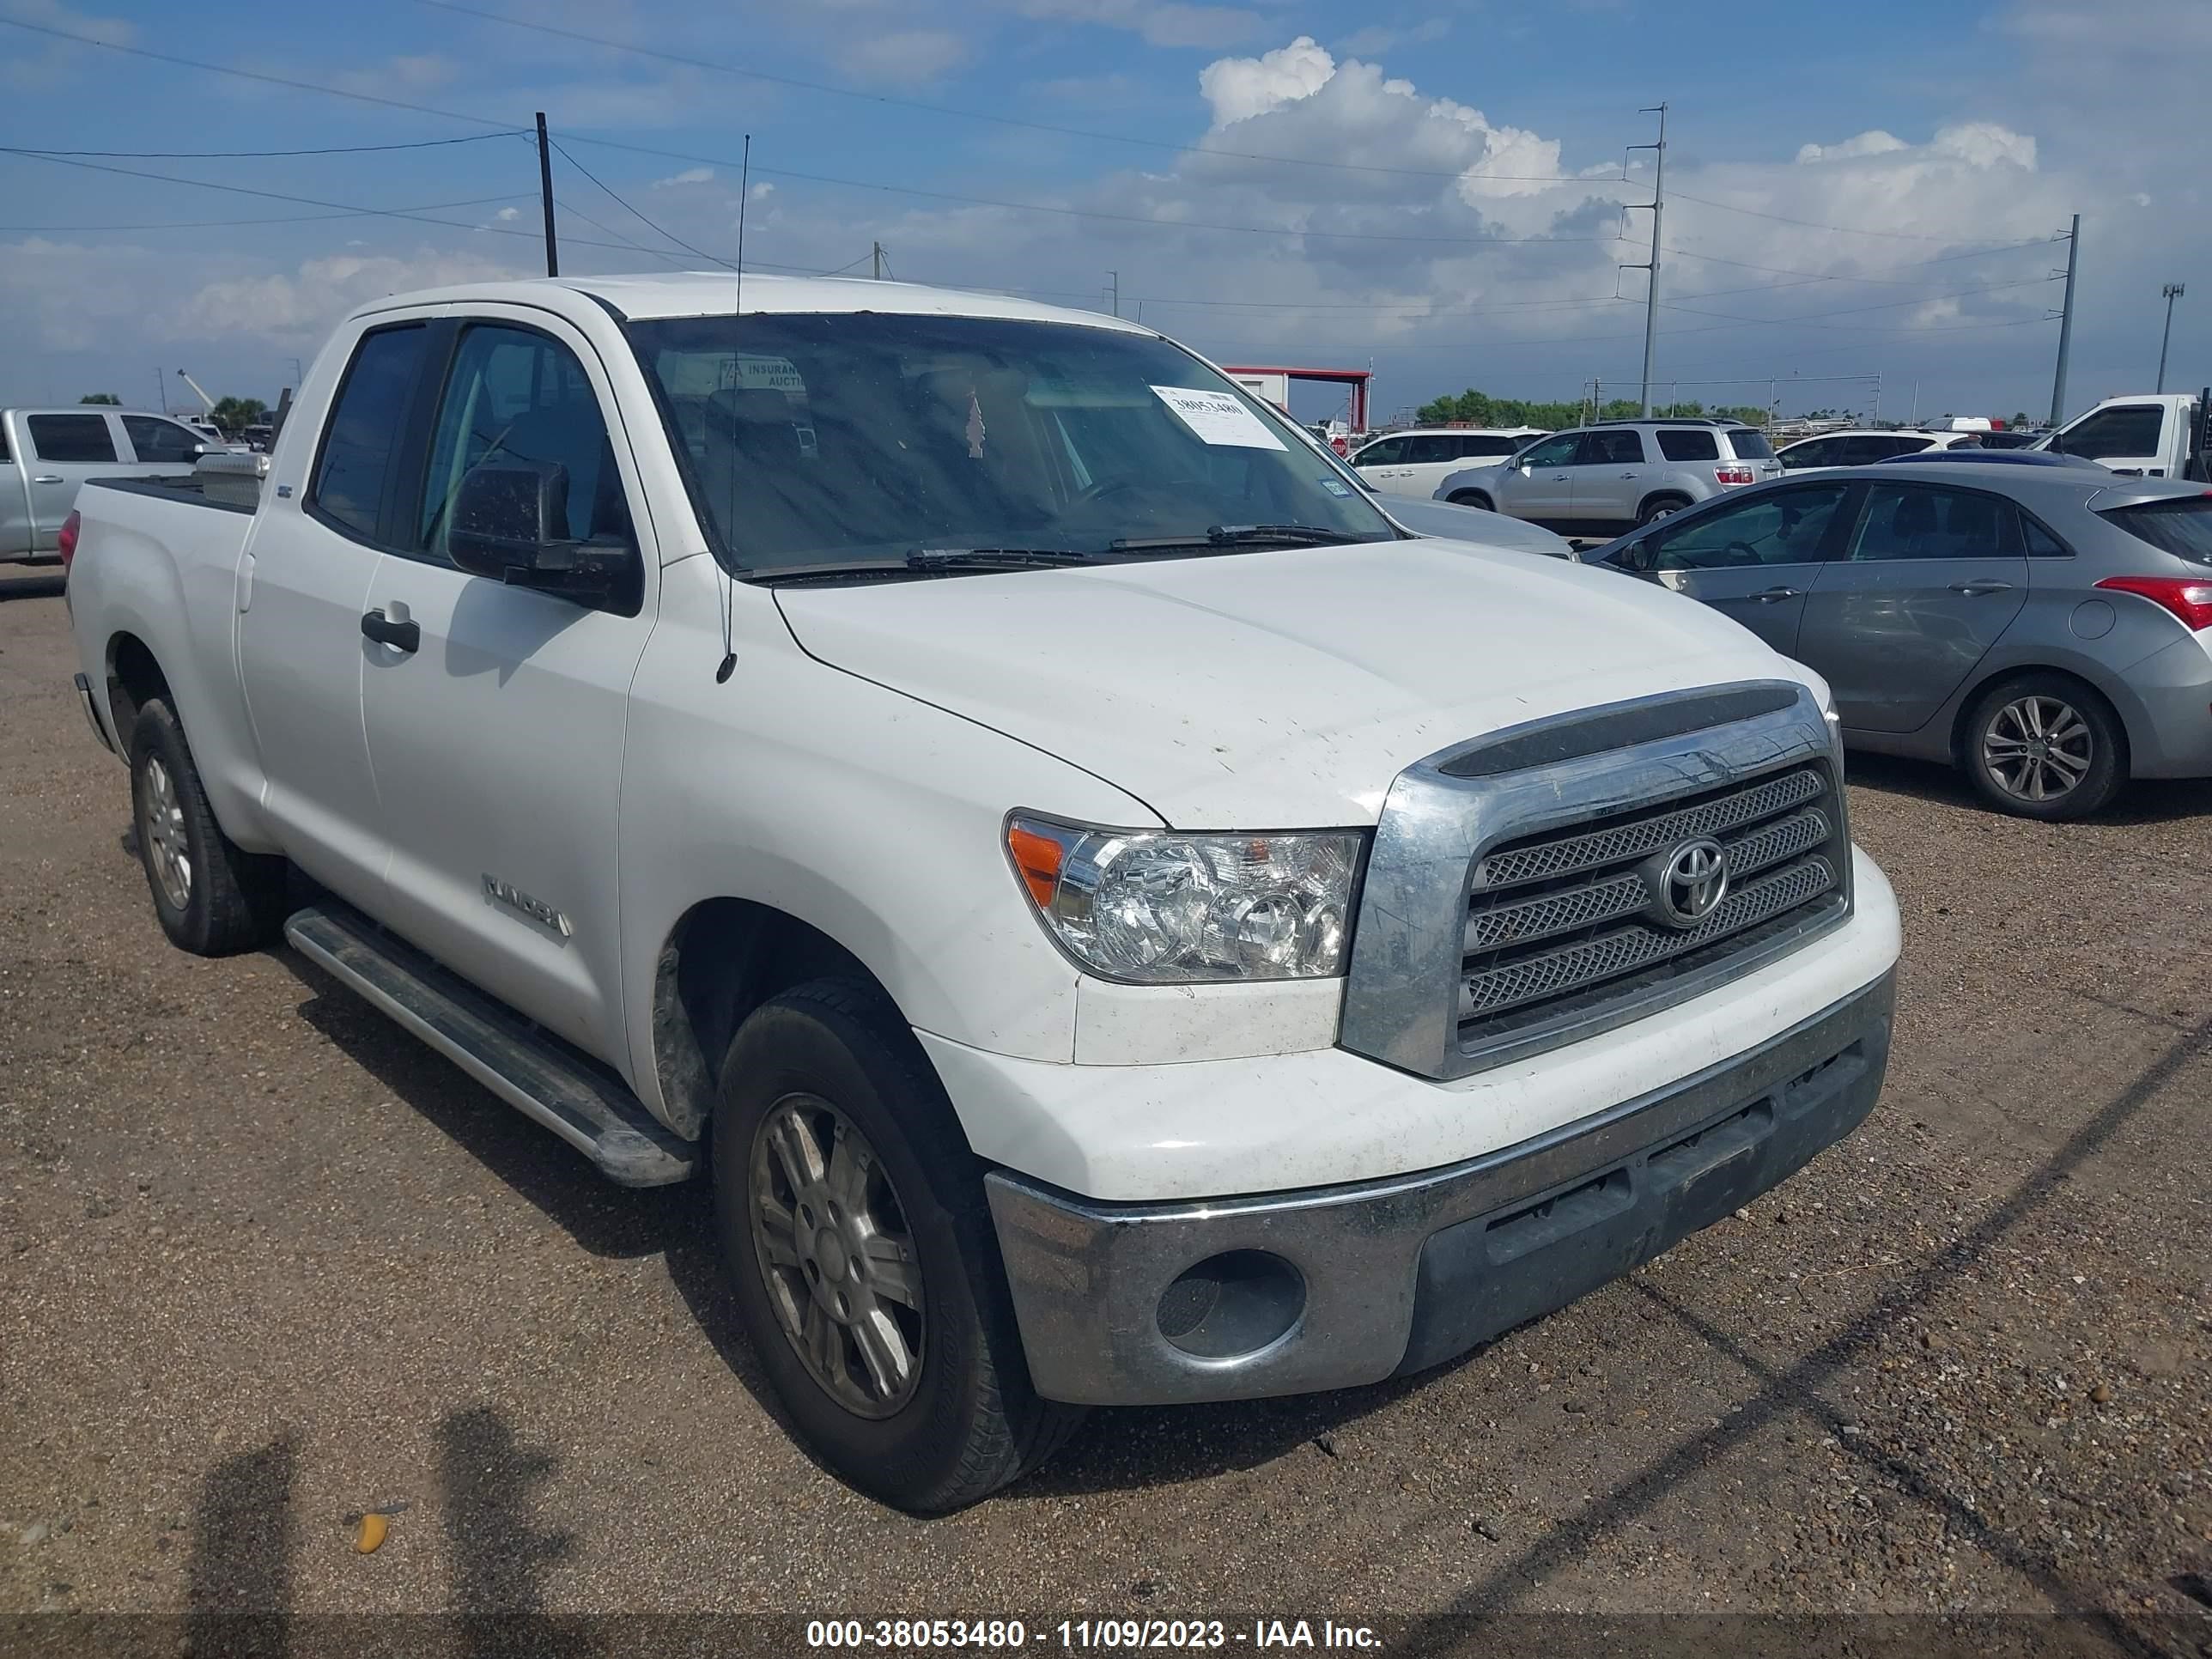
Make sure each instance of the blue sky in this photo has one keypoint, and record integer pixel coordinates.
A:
(1435, 186)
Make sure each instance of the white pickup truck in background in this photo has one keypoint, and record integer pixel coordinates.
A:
(2149, 436)
(46, 455)
(1117, 920)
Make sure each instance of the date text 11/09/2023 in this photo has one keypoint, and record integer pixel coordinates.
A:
(900, 1635)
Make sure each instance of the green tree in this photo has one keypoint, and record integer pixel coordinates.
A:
(232, 413)
(101, 398)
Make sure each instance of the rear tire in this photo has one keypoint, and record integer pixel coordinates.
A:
(843, 1278)
(2044, 745)
(212, 897)
(1472, 498)
(1658, 508)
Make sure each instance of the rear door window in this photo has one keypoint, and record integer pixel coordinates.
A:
(1913, 521)
(366, 425)
(1429, 448)
(156, 441)
(1611, 449)
(1689, 444)
(72, 438)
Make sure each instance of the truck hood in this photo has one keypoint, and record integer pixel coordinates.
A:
(1274, 690)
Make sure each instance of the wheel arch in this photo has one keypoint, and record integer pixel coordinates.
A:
(724, 957)
(1472, 498)
(1653, 497)
(2123, 708)
(134, 678)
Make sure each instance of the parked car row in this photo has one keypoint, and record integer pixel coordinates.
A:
(2037, 626)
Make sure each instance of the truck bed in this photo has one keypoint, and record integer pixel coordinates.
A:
(185, 489)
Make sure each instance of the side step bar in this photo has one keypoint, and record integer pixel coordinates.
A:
(538, 1075)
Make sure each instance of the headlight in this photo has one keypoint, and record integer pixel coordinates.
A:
(1160, 908)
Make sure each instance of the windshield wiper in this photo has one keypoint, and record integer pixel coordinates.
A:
(991, 558)
(1244, 535)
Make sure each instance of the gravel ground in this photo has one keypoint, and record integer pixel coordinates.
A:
(266, 1263)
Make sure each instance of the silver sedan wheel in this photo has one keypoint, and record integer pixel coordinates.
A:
(161, 826)
(2037, 748)
(836, 1256)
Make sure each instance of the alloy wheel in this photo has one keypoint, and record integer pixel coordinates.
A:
(2037, 748)
(161, 825)
(836, 1256)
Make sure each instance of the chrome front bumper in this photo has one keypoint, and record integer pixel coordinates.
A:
(1336, 1286)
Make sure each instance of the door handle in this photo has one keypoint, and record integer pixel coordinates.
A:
(49, 478)
(1977, 589)
(1775, 595)
(1628, 475)
(399, 633)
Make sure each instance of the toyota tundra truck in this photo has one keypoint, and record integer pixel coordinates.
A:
(1116, 919)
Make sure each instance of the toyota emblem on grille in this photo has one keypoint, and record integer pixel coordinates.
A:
(1691, 882)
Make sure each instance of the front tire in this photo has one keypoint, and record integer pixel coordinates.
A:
(2043, 746)
(1472, 498)
(212, 897)
(1660, 506)
(854, 1229)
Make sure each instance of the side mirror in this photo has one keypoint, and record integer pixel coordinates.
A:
(1638, 556)
(510, 522)
(201, 452)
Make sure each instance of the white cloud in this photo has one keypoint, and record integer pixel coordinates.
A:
(301, 306)
(1984, 144)
(1877, 142)
(419, 73)
(689, 176)
(762, 192)
(1239, 89)
(507, 215)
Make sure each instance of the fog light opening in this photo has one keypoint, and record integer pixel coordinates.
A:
(1232, 1304)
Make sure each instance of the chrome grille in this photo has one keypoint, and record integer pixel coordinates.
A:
(1567, 923)
(1520, 865)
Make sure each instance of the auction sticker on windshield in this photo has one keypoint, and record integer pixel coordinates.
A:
(1216, 417)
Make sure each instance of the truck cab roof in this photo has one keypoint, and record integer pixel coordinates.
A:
(654, 296)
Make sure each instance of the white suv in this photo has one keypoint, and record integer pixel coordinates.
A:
(1415, 463)
(1604, 479)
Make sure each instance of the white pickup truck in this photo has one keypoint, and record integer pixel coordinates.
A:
(2151, 435)
(1116, 918)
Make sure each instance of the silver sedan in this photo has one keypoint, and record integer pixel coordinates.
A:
(2044, 629)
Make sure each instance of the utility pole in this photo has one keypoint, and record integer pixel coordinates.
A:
(875, 253)
(1658, 204)
(2172, 292)
(1115, 290)
(160, 394)
(545, 194)
(2065, 325)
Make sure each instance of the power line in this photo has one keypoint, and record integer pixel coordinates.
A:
(236, 154)
(656, 229)
(608, 44)
(1786, 271)
(1855, 311)
(282, 219)
(1783, 219)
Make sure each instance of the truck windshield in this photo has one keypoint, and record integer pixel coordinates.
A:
(814, 439)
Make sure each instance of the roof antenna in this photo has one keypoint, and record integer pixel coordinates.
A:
(737, 309)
